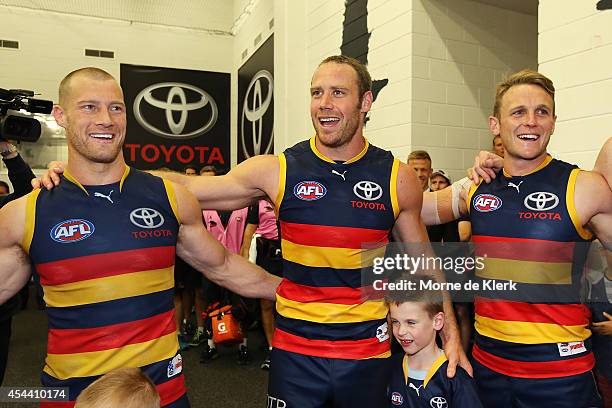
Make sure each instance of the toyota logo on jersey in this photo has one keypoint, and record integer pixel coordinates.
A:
(487, 203)
(309, 190)
(74, 230)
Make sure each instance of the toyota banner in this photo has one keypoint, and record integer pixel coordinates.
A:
(176, 118)
(256, 103)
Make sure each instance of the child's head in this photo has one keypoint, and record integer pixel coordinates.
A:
(416, 316)
(123, 387)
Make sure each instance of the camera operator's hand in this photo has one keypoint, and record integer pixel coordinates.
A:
(7, 150)
(51, 178)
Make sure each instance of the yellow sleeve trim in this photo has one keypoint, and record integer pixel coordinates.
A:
(393, 188)
(282, 179)
(30, 221)
(434, 367)
(471, 193)
(172, 198)
(571, 206)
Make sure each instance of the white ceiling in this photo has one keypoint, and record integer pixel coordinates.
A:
(522, 6)
(208, 15)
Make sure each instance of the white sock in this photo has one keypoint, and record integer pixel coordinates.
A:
(244, 343)
(211, 344)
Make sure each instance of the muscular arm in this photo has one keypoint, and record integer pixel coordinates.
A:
(603, 164)
(409, 228)
(14, 264)
(593, 200)
(198, 248)
(245, 184)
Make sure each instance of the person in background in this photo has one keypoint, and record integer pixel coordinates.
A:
(498, 146)
(420, 161)
(263, 226)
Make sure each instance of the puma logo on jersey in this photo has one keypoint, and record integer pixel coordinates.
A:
(337, 173)
(108, 197)
(517, 186)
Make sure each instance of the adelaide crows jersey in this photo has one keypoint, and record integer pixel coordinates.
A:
(529, 231)
(435, 390)
(327, 212)
(105, 256)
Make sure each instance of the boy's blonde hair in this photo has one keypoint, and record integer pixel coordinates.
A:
(432, 300)
(124, 387)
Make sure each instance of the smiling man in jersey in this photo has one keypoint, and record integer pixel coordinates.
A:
(533, 349)
(103, 243)
(332, 193)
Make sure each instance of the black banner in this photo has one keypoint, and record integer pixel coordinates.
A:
(256, 103)
(176, 117)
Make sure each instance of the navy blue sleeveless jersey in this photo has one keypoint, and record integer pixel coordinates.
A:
(328, 212)
(530, 232)
(105, 255)
(436, 390)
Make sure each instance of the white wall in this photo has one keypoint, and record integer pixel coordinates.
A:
(575, 44)
(461, 50)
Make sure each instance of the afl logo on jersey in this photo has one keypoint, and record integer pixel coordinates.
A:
(487, 203)
(72, 231)
(397, 399)
(309, 190)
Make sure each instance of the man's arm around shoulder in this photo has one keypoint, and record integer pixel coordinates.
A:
(198, 248)
(593, 200)
(410, 229)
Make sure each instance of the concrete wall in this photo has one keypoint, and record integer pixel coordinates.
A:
(461, 50)
(575, 44)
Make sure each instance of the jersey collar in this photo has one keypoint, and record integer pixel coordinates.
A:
(545, 163)
(430, 373)
(321, 156)
(69, 177)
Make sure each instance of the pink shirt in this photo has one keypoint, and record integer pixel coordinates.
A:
(231, 236)
(267, 221)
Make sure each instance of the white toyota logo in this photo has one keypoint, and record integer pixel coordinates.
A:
(438, 402)
(541, 201)
(367, 190)
(146, 218)
(176, 90)
(256, 112)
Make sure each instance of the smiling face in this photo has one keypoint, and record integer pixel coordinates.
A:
(413, 327)
(337, 109)
(525, 124)
(93, 114)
